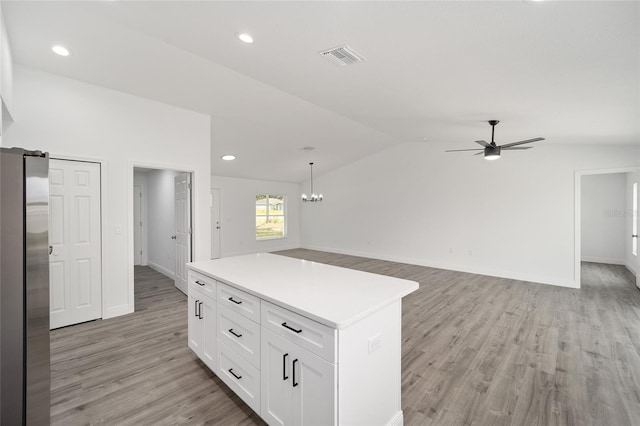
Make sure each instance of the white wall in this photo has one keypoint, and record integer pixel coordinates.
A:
(415, 203)
(631, 261)
(6, 78)
(140, 178)
(238, 220)
(161, 220)
(72, 119)
(6, 61)
(603, 222)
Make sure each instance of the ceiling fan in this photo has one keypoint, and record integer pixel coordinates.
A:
(492, 151)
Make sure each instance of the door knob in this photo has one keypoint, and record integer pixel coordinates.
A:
(173, 237)
(218, 227)
(634, 236)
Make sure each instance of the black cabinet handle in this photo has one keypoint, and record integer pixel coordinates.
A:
(200, 310)
(234, 374)
(284, 324)
(200, 283)
(234, 333)
(284, 367)
(235, 301)
(196, 309)
(293, 366)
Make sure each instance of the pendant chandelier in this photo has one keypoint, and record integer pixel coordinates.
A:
(314, 198)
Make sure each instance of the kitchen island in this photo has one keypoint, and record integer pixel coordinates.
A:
(300, 342)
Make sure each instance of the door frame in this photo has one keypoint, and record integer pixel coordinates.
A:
(217, 192)
(577, 251)
(103, 216)
(143, 231)
(130, 243)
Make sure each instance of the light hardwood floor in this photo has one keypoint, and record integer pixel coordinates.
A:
(477, 350)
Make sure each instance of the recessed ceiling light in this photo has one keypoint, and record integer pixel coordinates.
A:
(228, 157)
(60, 50)
(245, 37)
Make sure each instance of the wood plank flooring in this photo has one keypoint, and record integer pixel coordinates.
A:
(477, 350)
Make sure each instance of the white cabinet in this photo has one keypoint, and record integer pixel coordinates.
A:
(202, 327)
(195, 325)
(242, 377)
(298, 387)
(301, 343)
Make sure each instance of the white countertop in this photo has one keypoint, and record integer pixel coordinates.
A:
(334, 296)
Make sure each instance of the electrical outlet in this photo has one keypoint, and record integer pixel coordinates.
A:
(470, 252)
(374, 343)
(450, 250)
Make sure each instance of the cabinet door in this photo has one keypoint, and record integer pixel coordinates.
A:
(195, 324)
(314, 390)
(209, 332)
(276, 379)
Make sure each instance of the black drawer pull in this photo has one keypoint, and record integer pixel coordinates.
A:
(284, 367)
(200, 310)
(235, 301)
(200, 283)
(234, 374)
(284, 324)
(234, 333)
(293, 367)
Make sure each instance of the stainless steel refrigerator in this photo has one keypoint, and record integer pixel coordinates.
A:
(24, 287)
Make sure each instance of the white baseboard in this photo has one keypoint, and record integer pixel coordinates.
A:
(164, 271)
(540, 279)
(630, 268)
(606, 260)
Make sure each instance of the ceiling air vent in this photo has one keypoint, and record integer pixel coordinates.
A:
(341, 56)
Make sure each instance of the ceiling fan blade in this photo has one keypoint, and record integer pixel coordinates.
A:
(484, 143)
(458, 150)
(521, 142)
(513, 148)
(480, 153)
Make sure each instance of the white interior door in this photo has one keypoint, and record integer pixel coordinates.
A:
(74, 233)
(636, 225)
(137, 225)
(183, 228)
(215, 223)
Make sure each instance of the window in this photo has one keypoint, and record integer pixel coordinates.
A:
(634, 220)
(270, 216)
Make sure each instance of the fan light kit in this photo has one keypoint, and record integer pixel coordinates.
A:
(492, 151)
(314, 198)
(228, 157)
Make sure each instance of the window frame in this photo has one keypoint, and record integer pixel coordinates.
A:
(283, 216)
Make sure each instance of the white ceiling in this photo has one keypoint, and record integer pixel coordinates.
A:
(567, 71)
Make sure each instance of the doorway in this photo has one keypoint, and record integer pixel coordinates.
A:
(162, 220)
(606, 220)
(75, 228)
(215, 223)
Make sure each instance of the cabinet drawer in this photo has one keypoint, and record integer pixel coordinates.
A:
(240, 334)
(203, 284)
(239, 301)
(242, 377)
(311, 335)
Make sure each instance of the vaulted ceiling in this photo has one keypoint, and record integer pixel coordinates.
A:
(434, 71)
